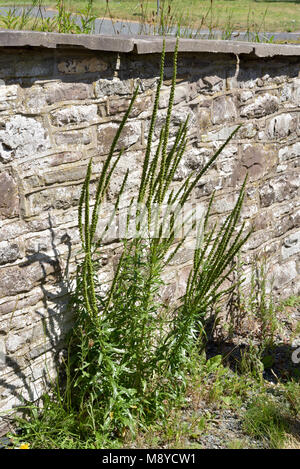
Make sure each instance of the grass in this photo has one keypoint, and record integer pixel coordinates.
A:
(268, 415)
(225, 15)
(269, 422)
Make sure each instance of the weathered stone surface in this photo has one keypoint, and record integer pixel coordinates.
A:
(68, 174)
(8, 96)
(262, 106)
(9, 197)
(105, 87)
(203, 117)
(17, 279)
(288, 153)
(224, 204)
(194, 159)
(283, 224)
(116, 106)
(142, 45)
(254, 161)
(62, 197)
(291, 245)
(278, 190)
(221, 134)
(40, 65)
(282, 126)
(14, 342)
(9, 252)
(2, 360)
(245, 95)
(130, 135)
(56, 92)
(75, 115)
(296, 91)
(213, 81)
(20, 304)
(257, 239)
(283, 274)
(74, 137)
(223, 109)
(63, 158)
(180, 94)
(85, 65)
(22, 136)
(247, 131)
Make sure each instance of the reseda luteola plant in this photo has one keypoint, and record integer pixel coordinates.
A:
(130, 353)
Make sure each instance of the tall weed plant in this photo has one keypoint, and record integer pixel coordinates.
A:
(130, 354)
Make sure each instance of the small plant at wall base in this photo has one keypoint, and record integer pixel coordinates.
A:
(130, 356)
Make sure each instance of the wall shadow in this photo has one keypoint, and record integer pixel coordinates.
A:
(53, 319)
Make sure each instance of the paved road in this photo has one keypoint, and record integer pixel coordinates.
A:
(127, 28)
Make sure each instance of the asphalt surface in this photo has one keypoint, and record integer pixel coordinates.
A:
(128, 28)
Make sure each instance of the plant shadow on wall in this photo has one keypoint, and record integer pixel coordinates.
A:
(49, 323)
(130, 354)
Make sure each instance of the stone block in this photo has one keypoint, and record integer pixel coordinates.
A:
(65, 175)
(262, 106)
(62, 197)
(255, 160)
(130, 135)
(283, 274)
(9, 252)
(291, 245)
(37, 65)
(9, 196)
(63, 157)
(74, 115)
(71, 66)
(14, 342)
(22, 278)
(289, 152)
(221, 134)
(8, 96)
(81, 138)
(180, 94)
(23, 136)
(59, 92)
(108, 87)
(281, 126)
(223, 110)
(279, 190)
(142, 104)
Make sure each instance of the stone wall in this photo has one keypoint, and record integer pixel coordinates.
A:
(61, 99)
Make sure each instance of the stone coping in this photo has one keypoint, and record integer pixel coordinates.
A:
(141, 44)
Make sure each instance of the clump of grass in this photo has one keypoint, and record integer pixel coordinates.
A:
(237, 444)
(63, 22)
(268, 422)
